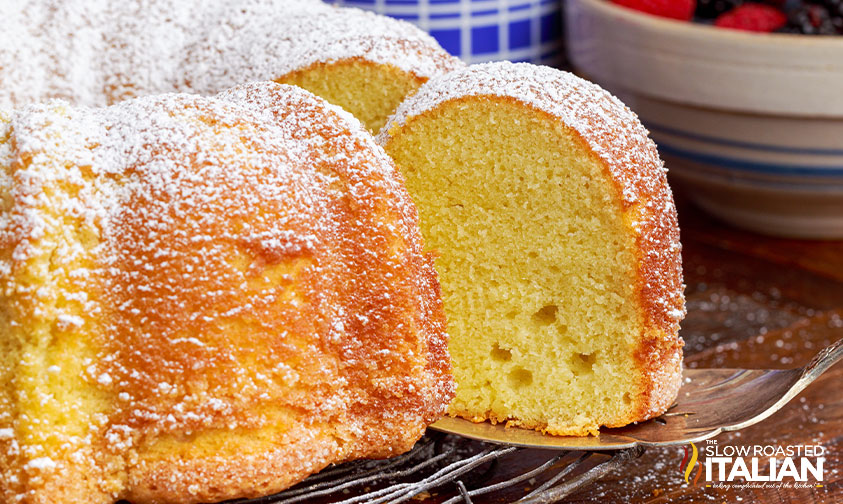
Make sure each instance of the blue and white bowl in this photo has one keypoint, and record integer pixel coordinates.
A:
(483, 30)
(751, 125)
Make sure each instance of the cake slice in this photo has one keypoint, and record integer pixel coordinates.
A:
(558, 245)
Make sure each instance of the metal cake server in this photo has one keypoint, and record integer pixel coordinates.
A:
(710, 401)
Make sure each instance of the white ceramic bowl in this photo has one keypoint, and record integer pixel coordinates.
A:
(751, 125)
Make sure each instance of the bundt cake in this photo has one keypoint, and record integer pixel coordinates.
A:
(206, 298)
(558, 246)
(96, 53)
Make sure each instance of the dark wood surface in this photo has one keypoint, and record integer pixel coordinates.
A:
(753, 302)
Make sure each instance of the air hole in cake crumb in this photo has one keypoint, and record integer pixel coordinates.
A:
(546, 316)
(512, 314)
(627, 399)
(500, 354)
(520, 377)
(586, 361)
(533, 255)
(582, 364)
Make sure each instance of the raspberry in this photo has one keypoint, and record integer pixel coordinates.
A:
(675, 9)
(752, 17)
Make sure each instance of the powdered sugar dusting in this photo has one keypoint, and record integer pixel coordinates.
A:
(93, 52)
(40, 464)
(215, 239)
(252, 46)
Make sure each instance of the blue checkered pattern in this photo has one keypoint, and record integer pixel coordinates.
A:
(483, 30)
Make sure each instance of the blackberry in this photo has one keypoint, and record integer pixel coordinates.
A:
(710, 9)
(835, 7)
(813, 19)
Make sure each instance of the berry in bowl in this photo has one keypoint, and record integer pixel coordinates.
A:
(743, 98)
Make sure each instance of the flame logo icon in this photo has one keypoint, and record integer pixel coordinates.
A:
(687, 466)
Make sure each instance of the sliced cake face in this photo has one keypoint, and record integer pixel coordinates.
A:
(206, 298)
(545, 248)
(370, 91)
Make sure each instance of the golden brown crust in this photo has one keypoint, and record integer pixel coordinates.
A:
(260, 304)
(433, 323)
(660, 358)
(494, 419)
(233, 475)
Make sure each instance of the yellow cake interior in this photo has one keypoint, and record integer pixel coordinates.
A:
(536, 265)
(369, 91)
(44, 357)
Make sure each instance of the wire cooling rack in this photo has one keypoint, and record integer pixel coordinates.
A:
(446, 469)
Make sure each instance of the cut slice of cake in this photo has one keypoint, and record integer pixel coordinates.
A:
(559, 246)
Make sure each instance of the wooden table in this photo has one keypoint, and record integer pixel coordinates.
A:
(753, 302)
